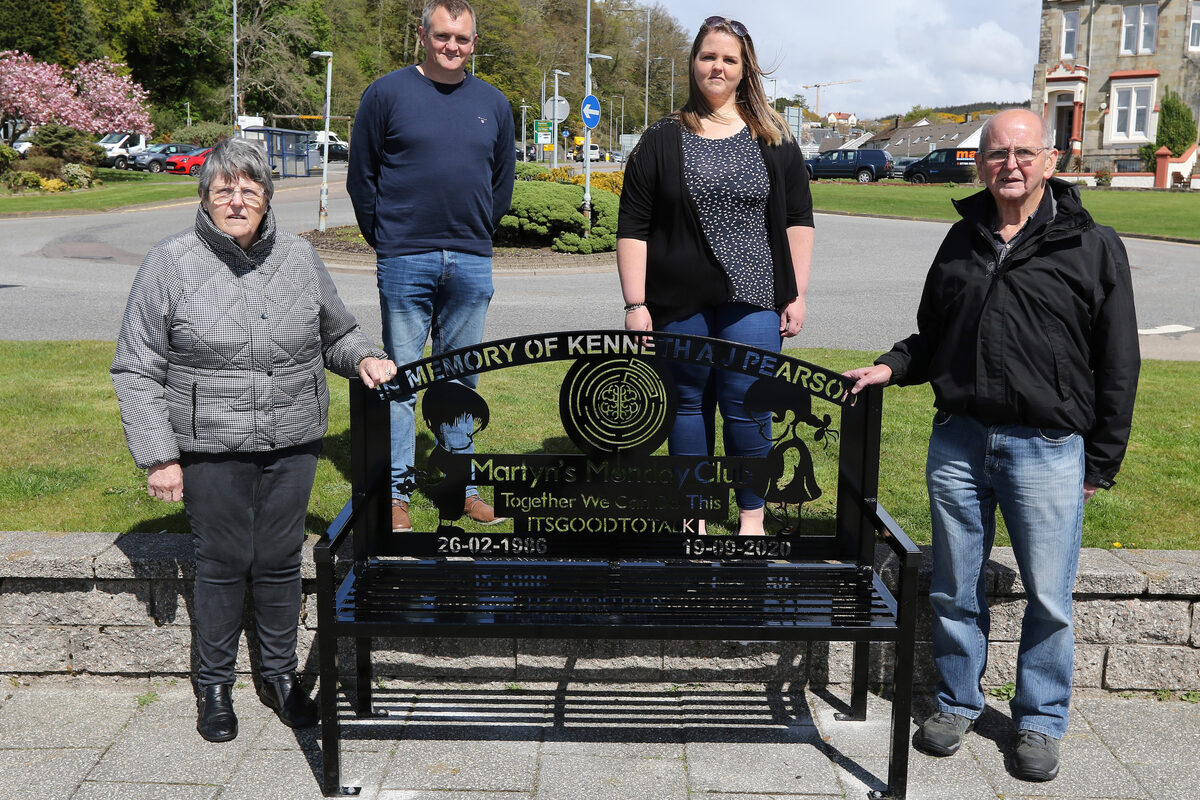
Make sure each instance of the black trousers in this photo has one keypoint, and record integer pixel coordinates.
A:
(247, 512)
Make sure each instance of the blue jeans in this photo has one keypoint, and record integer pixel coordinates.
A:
(445, 293)
(702, 389)
(1035, 476)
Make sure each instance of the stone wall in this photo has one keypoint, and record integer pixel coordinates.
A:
(119, 604)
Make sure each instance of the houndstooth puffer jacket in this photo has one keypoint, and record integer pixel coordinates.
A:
(225, 350)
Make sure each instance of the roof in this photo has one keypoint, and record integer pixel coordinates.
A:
(936, 135)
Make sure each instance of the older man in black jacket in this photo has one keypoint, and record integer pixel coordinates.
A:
(1026, 331)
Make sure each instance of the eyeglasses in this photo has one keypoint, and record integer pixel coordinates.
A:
(1023, 155)
(224, 196)
(738, 28)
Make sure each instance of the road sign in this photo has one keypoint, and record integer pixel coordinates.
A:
(543, 131)
(556, 108)
(589, 109)
(543, 138)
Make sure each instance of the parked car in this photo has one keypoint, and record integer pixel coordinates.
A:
(154, 158)
(943, 166)
(121, 147)
(187, 163)
(862, 165)
(338, 151)
(898, 165)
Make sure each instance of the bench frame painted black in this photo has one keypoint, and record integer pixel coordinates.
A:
(827, 584)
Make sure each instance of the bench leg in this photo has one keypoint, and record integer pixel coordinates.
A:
(902, 678)
(331, 753)
(363, 675)
(858, 683)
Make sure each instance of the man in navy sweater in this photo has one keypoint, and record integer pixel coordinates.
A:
(431, 176)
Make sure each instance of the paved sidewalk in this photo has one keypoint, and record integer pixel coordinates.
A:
(88, 738)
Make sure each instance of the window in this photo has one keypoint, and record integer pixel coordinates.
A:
(1139, 28)
(1132, 113)
(1070, 33)
(1194, 38)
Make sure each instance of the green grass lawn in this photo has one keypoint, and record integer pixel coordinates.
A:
(1173, 214)
(121, 188)
(65, 467)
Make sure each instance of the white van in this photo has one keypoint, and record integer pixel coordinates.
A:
(319, 138)
(593, 153)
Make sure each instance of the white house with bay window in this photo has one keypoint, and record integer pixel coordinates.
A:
(1103, 66)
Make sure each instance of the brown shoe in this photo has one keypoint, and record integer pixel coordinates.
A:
(401, 522)
(479, 511)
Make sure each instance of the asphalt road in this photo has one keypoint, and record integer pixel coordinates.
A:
(67, 277)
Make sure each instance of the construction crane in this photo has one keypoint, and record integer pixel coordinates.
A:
(818, 86)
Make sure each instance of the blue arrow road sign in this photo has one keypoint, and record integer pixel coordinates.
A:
(589, 109)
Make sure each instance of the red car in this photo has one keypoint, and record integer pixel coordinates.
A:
(187, 163)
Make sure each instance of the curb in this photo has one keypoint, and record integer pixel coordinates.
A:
(559, 264)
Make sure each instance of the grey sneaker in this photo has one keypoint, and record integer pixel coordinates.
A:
(942, 734)
(1036, 758)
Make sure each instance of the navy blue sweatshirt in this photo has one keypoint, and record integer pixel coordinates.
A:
(432, 164)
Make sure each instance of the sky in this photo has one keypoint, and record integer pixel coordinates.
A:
(902, 52)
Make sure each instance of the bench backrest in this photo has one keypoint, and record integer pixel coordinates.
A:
(614, 497)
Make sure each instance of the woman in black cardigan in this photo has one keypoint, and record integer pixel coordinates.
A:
(715, 238)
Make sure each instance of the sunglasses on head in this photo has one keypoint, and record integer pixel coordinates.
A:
(738, 28)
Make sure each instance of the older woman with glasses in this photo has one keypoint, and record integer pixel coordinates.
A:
(220, 375)
(715, 238)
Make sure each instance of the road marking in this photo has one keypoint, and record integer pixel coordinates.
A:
(1164, 329)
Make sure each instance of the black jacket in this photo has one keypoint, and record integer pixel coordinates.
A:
(683, 275)
(1047, 337)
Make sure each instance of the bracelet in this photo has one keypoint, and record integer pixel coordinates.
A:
(634, 307)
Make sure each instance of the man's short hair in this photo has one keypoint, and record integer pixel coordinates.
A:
(455, 8)
(985, 133)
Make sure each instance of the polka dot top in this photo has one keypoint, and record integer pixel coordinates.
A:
(728, 180)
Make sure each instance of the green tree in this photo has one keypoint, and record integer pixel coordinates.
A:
(60, 32)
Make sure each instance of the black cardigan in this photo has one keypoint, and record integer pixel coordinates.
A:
(683, 275)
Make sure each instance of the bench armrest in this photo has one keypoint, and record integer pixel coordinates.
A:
(893, 535)
(339, 530)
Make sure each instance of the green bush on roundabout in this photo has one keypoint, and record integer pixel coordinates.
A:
(548, 214)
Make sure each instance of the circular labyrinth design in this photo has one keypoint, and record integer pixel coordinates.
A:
(617, 404)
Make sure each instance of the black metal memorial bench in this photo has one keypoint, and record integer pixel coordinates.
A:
(603, 542)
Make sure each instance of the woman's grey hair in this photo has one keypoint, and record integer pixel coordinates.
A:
(455, 8)
(235, 158)
(985, 134)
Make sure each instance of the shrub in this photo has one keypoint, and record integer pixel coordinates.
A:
(556, 175)
(528, 171)
(7, 157)
(204, 134)
(545, 213)
(608, 181)
(44, 166)
(21, 179)
(77, 176)
(53, 185)
(68, 144)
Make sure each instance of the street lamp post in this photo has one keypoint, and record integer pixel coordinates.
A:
(554, 121)
(324, 212)
(672, 60)
(524, 142)
(587, 130)
(478, 55)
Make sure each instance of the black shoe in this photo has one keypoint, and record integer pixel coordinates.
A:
(215, 720)
(284, 695)
(1036, 758)
(942, 734)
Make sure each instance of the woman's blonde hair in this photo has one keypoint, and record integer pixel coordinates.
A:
(752, 105)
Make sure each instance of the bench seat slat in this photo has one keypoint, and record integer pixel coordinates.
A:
(681, 596)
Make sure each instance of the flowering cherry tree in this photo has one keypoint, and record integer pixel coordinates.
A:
(94, 97)
(33, 93)
(115, 101)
